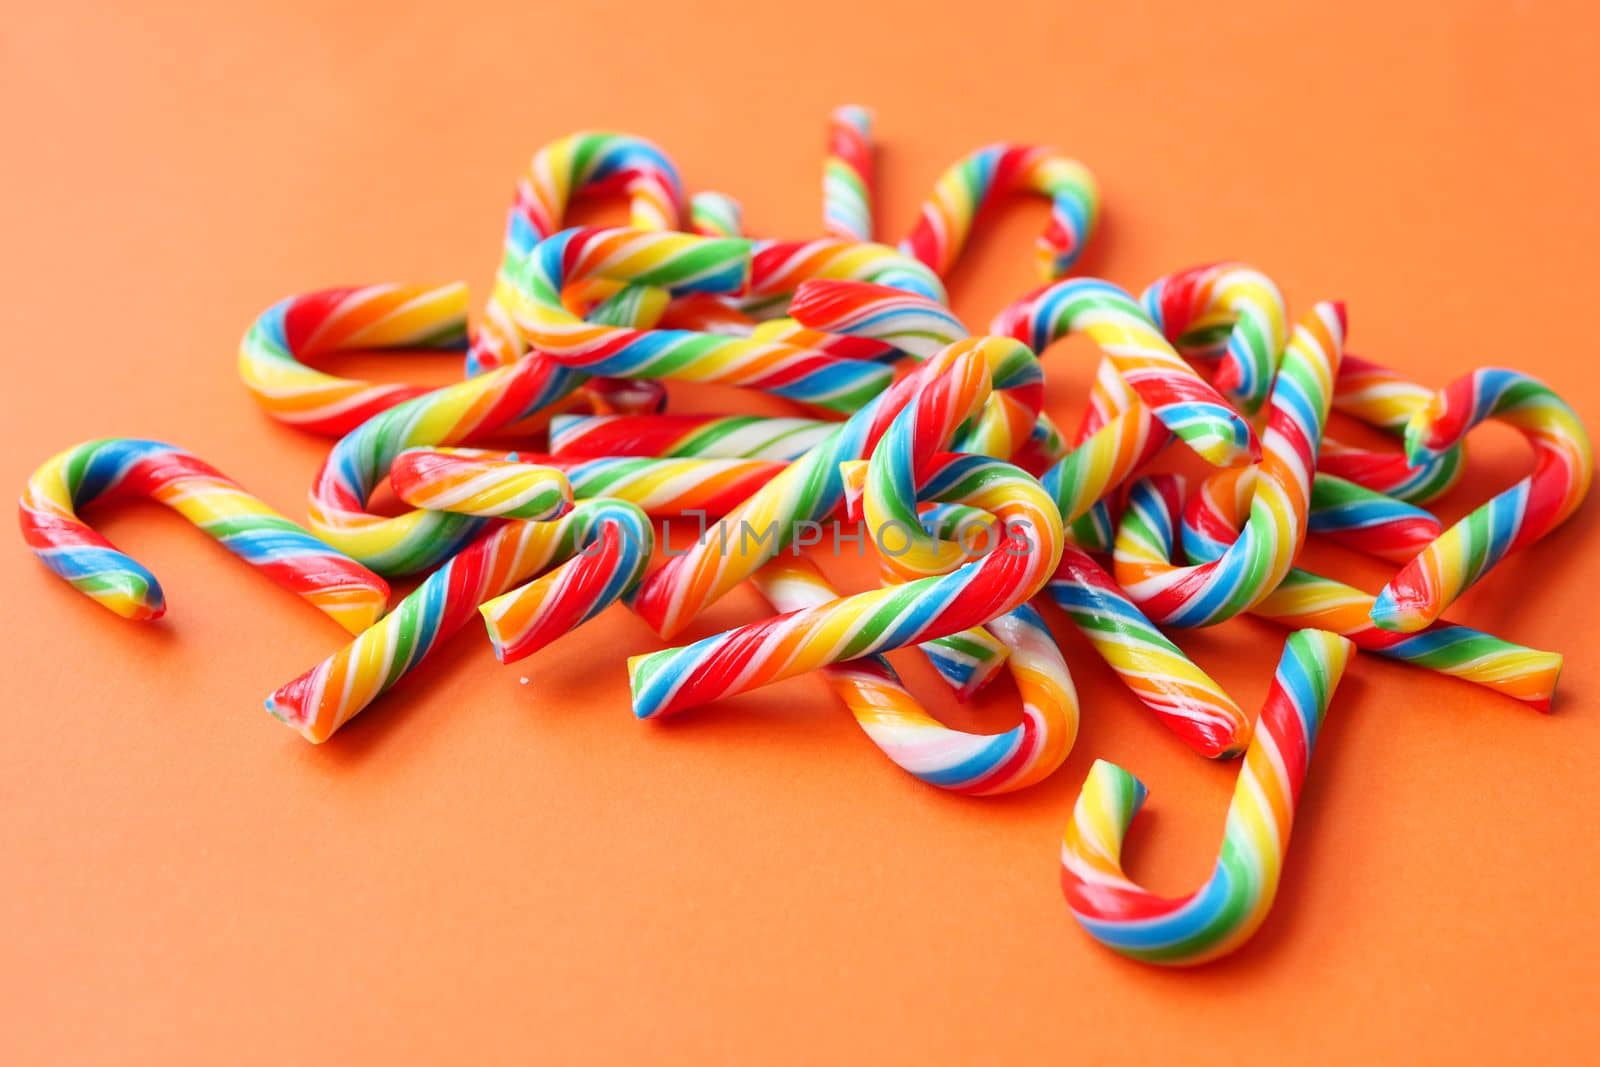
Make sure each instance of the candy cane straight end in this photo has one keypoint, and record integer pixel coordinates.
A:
(1227, 910)
(1402, 608)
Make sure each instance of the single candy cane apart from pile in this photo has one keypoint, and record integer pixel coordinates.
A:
(472, 481)
(1211, 523)
(274, 351)
(332, 693)
(1208, 593)
(976, 764)
(1563, 471)
(121, 468)
(744, 658)
(1228, 909)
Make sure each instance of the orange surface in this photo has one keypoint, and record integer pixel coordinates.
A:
(497, 872)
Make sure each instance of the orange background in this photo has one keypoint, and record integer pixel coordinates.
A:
(499, 872)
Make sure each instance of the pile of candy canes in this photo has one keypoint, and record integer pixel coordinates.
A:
(931, 437)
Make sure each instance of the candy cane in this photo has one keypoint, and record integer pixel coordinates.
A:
(847, 175)
(1516, 518)
(359, 462)
(777, 438)
(686, 264)
(582, 163)
(1235, 314)
(716, 215)
(118, 468)
(1212, 592)
(1182, 695)
(274, 351)
(1225, 912)
(742, 659)
(976, 181)
(1211, 523)
(919, 327)
(1228, 312)
(1184, 698)
(472, 481)
(1182, 401)
(332, 693)
(975, 764)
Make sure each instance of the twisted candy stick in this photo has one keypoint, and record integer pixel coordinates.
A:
(559, 172)
(1563, 471)
(615, 540)
(1183, 696)
(920, 327)
(1182, 400)
(751, 656)
(117, 468)
(273, 352)
(975, 764)
(1234, 312)
(1341, 511)
(359, 461)
(1222, 914)
(777, 269)
(1227, 312)
(847, 175)
(332, 693)
(1186, 700)
(683, 264)
(976, 181)
(1383, 399)
(809, 491)
(716, 215)
(1208, 593)
(472, 481)
(722, 436)
(1211, 522)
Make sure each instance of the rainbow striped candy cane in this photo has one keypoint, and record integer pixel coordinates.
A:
(1211, 523)
(1182, 695)
(956, 385)
(716, 215)
(274, 351)
(496, 400)
(1224, 913)
(1516, 518)
(978, 180)
(588, 162)
(1184, 698)
(116, 468)
(1229, 313)
(1182, 401)
(777, 438)
(1208, 593)
(974, 764)
(473, 481)
(847, 175)
(680, 263)
(330, 694)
